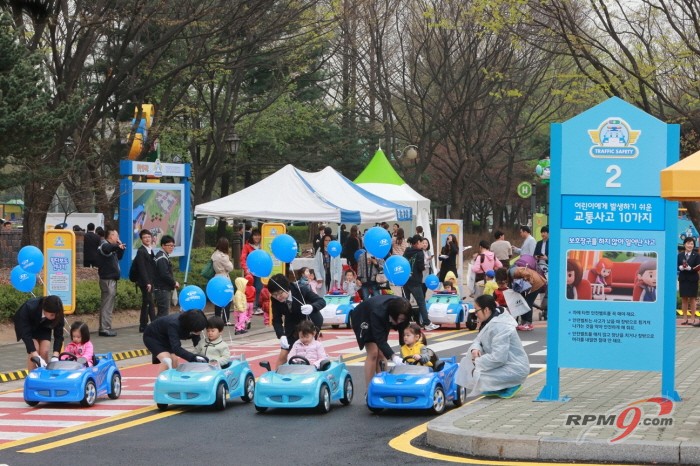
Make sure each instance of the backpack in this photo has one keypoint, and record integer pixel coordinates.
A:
(133, 272)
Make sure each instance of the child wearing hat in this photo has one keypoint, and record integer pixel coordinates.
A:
(490, 284)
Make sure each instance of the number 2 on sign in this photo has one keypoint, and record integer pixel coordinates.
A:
(616, 172)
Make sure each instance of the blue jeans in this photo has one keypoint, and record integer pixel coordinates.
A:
(369, 289)
(417, 292)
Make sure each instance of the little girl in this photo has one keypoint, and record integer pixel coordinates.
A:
(314, 284)
(415, 345)
(80, 344)
(307, 345)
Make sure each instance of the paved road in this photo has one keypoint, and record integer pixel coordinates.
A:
(131, 431)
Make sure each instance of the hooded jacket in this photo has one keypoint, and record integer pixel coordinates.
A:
(503, 362)
(240, 303)
(486, 261)
(416, 258)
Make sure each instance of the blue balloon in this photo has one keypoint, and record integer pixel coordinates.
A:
(192, 297)
(22, 280)
(220, 290)
(31, 259)
(397, 270)
(432, 282)
(285, 248)
(259, 263)
(334, 248)
(378, 241)
(358, 253)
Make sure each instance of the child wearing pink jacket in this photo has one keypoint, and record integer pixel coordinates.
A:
(80, 344)
(307, 346)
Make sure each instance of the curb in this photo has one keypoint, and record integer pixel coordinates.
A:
(12, 376)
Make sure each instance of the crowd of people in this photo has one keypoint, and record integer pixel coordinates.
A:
(292, 302)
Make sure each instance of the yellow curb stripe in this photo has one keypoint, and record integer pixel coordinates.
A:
(101, 432)
(12, 376)
(69, 430)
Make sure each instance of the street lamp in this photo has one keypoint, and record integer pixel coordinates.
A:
(233, 142)
(410, 152)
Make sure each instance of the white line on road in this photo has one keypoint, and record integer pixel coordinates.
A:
(76, 412)
(38, 423)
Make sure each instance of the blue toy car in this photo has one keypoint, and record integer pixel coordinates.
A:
(72, 380)
(416, 387)
(448, 308)
(337, 310)
(299, 384)
(204, 384)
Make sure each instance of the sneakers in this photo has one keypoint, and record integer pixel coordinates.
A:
(430, 327)
(504, 393)
(525, 328)
(258, 312)
(509, 392)
(240, 332)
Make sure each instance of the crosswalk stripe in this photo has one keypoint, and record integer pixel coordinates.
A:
(38, 423)
(75, 412)
(16, 435)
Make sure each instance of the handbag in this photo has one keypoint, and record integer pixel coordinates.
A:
(381, 278)
(516, 303)
(208, 270)
(173, 298)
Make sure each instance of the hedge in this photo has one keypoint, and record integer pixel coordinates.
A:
(128, 295)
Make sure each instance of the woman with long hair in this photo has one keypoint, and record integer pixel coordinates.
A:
(448, 257)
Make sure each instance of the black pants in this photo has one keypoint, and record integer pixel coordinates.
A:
(148, 308)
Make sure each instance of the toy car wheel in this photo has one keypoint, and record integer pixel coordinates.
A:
(221, 396)
(162, 406)
(461, 396)
(335, 326)
(347, 391)
(324, 399)
(438, 400)
(348, 326)
(375, 410)
(260, 409)
(458, 325)
(89, 394)
(116, 385)
(31, 403)
(249, 388)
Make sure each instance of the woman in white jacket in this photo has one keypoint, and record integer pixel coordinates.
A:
(329, 270)
(500, 362)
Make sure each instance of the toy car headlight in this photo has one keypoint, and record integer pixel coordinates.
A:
(74, 375)
(378, 380)
(423, 381)
(206, 378)
(162, 377)
(308, 380)
(33, 375)
(264, 379)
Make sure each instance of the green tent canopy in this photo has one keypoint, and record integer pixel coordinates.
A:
(379, 170)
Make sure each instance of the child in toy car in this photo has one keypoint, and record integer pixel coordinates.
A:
(307, 346)
(80, 345)
(414, 349)
(213, 346)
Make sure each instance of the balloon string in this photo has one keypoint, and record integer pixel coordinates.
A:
(298, 287)
(41, 280)
(293, 297)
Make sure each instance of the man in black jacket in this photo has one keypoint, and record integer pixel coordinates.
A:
(164, 281)
(111, 251)
(416, 258)
(146, 266)
(90, 244)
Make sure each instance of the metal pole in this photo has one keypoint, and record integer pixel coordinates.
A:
(189, 252)
(533, 204)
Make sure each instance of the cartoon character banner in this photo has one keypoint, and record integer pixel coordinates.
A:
(158, 207)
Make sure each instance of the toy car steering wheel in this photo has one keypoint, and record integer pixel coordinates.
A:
(301, 360)
(69, 356)
(411, 361)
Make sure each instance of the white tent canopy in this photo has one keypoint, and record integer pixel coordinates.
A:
(291, 194)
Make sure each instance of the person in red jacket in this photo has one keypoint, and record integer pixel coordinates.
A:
(250, 295)
(251, 245)
(265, 305)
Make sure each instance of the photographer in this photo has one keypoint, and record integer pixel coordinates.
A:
(111, 251)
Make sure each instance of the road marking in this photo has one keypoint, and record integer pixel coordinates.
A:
(69, 430)
(38, 423)
(71, 411)
(100, 432)
(540, 353)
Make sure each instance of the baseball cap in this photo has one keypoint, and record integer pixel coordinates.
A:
(490, 273)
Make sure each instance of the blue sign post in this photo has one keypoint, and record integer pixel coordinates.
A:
(612, 292)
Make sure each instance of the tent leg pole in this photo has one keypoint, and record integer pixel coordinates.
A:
(189, 251)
